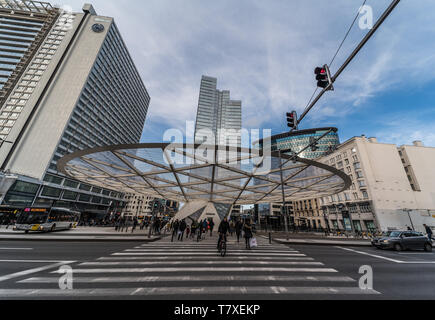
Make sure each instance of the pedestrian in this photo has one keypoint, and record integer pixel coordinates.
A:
(175, 227)
(127, 224)
(181, 230)
(247, 229)
(238, 228)
(211, 224)
(193, 231)
(187, 232)
(429, 232)
(135, 222)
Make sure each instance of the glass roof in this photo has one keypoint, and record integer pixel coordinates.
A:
(187, 173)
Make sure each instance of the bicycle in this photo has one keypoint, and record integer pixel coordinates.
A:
(223, 246)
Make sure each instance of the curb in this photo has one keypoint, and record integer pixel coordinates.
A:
(328, 244)
(80, 239)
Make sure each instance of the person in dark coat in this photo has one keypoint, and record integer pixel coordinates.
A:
(239, 227)
(211, 227)
(175, 227)
(224, 227)
(247, 228)
(181, 230)
(429, 232)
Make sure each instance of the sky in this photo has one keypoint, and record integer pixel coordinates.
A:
(265, 53)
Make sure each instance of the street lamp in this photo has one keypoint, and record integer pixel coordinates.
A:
(410, 218)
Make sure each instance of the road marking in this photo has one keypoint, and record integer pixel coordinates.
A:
(229, 254)
(200, 269)
(388, 259)
(214, 258)
(204, 250)
(176, 263)
(371, 255)
(168, 291)
(31, 261)
(30, 271)
(23, 249)
(205, 278)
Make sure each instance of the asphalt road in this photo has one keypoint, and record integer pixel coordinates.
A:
(194, 271)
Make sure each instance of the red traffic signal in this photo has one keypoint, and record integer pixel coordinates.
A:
(323, 77)
(292, 120)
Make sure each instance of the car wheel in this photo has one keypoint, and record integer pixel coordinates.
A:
(398, 247)
(428, 247)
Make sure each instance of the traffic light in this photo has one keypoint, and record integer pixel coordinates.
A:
(323, 77)
(314, 144)
(292, 120)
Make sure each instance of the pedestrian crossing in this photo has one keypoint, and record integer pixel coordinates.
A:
(193, 270)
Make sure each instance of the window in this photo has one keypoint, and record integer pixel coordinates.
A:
(357, 165)
(365, 194)
(51, 192)
(71, 184)
(69, 195)
(85, 187)
(360, 175)
(362, 184)
(25, 187)
(84, 198)
(53, 179)
(355, 196)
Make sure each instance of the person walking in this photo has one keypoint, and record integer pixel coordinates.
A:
(194, 228)
(238, 228)
(204, 227)
(175, 227)
(223, 229)
(181, 230)
(187, 232)
(211, 227)
(429, 232)
(134, 224)
(247, 228)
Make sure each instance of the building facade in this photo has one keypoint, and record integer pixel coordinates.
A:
(217, 114)
(301, 214)
(393, 187)
(142, 206)
(75, 87)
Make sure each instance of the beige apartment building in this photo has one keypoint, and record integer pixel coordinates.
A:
(392, 188)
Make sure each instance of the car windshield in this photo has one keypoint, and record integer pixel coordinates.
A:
(395, 234)
(386, 234)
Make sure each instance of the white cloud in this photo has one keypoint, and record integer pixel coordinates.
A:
(265, 53)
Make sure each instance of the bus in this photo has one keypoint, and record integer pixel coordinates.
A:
(8, 215)
(47, 219)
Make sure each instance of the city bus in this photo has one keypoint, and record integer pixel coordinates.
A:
(8, 215)
(47, 219)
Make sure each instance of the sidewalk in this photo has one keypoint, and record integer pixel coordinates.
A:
(310, 239)
(80, 234)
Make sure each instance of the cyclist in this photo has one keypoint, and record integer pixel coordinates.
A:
(224, 227)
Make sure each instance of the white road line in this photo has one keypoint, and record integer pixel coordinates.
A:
(180, 263)
(31, 261)
(213, 258)
(229, 254)
(371, 255)
(205, 278)
(30, 271)
(200, 269)
(21, 249)
(205, 250)
(168, 291)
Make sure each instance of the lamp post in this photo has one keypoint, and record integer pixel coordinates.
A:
(410, 218)
(283, 195)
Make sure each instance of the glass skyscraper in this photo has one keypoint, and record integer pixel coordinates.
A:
(71, 85)
(218, 113)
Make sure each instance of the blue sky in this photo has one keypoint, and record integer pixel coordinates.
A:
(265, 53)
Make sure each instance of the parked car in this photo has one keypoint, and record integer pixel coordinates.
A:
(404, 240)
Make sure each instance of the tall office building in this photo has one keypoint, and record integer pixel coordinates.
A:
(220, 117)
(218, 114)
(68, 83)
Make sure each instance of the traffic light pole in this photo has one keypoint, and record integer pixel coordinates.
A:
(284, 207)
(351, 57)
